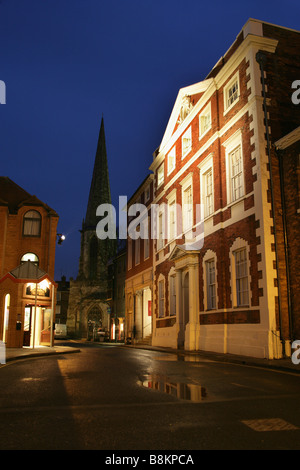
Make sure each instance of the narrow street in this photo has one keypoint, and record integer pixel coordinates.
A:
(109, 397)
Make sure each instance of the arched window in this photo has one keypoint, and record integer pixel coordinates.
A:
(32, 224)
(30, 257)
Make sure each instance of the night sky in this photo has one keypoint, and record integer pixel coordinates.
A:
(66, 63)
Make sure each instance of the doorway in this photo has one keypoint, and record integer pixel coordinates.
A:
(6, 317)
(27, 326)
(147, 312)
(186, 300)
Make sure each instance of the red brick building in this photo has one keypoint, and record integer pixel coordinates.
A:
(220, 260)
(27, 256)
(139, 268)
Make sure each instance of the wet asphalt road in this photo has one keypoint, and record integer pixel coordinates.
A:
(116, 398)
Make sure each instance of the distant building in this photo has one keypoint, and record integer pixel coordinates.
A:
(27, 256)
(89, 308)
(117, 290)
(139, 274)
(226, 181)
(62, 300)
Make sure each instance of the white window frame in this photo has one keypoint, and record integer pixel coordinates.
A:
(210, 283)
(147, 245)
(239, 246)
(171, 160)
(241, 277)
(206, 167)
(172, 216)
(172, 294)
(187, 208)
(187, 220)
(236, 173)
(187, 136)
(209, 257)
(235, 79)
(161, 296)
(231, 145)
(202, 117)
(160, 175)
(160, 230)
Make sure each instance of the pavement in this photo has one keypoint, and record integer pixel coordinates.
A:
(13, 354)
(285, 364)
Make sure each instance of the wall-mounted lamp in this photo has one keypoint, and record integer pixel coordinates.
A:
(61, 238)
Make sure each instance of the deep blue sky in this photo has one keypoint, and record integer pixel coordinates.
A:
(67, 62)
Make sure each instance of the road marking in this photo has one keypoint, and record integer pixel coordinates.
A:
(273, 424)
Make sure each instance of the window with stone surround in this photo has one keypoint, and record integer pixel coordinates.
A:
(186, 142)
(187, 208)
(236, 174)
(210, 273)
(172, 289)
(171, 160)
(160, 175)
(209, 266)
(234, 167)
(161, 298)
(241, 277)
(205, 121)
(32, 224)
(231, 93)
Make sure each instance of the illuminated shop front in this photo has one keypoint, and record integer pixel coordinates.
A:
(117, 329)
(27, 295)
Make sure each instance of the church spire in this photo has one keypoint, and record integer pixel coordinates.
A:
(100, 188)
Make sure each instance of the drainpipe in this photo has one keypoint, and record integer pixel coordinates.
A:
(287, 264)
(261, 59)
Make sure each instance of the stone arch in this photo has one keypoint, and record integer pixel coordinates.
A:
(94, 320)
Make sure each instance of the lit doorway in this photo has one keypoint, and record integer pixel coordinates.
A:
(37, 327)
(6, 317)
(147, 312)
(27, 326)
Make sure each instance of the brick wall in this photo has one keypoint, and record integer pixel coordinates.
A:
(13, 245)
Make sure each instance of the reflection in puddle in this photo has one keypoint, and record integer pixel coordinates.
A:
(32, 379)
(191, 392)
(178, 357)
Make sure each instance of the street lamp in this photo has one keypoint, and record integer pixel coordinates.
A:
(61, 238)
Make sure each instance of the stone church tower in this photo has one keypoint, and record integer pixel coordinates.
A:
(88, 306)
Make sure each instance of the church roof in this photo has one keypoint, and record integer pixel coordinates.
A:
(100, 188)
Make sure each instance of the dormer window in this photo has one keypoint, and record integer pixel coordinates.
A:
(32, 224)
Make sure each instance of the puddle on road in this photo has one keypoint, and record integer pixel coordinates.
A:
(183, 391)
(33, 379)
(185, 358)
